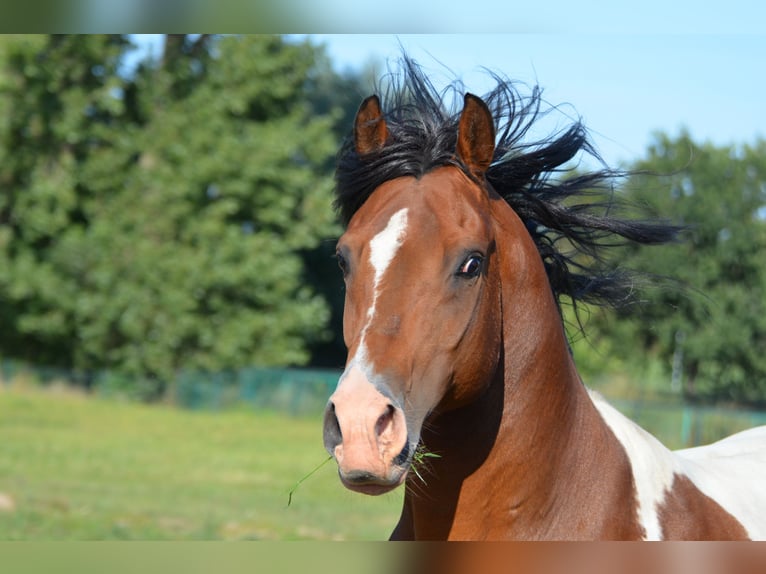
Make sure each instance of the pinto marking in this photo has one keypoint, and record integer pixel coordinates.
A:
(725, 471)
(730, 471)
(652, 464)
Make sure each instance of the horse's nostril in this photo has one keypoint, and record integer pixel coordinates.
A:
(332, 434)
(385, 421)
(404, 455)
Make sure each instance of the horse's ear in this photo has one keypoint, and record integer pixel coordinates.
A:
(475, 135)
(370, 130)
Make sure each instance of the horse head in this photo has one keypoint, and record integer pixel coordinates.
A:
(422, 317)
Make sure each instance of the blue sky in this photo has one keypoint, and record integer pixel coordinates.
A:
(551, 16)
(623, 86)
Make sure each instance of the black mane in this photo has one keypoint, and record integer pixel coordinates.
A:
(571, 216)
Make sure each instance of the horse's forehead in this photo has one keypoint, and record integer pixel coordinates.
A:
(444, 201)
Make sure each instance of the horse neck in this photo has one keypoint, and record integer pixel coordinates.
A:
(543, 396)
(525, 439)
(544, 403)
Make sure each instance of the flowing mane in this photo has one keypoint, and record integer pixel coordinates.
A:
(571, 216)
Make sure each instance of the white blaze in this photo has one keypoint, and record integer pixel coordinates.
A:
(359, 388)
(385, 244)
(383, 248)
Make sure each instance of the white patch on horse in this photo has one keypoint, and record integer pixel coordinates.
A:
(385, 244)
(383, 248)
(731, 472)
(653, 465)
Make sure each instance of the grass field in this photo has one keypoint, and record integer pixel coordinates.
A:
(79, 468)
(74, 467)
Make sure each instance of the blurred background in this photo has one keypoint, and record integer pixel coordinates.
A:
(169, 302)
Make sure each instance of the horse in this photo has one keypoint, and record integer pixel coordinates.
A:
(460, 246)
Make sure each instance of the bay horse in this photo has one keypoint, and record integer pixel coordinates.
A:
(455, 268)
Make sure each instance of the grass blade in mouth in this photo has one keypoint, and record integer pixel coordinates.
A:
(419, 460)
(297, 484)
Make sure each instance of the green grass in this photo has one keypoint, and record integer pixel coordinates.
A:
(81, 468)
(84, 468)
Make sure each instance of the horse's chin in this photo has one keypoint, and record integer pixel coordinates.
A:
(371, 489)
(374, 485)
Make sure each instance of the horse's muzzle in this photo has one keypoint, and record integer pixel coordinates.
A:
(367, 436)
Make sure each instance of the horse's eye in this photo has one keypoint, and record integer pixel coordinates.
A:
(471, 267)
(342, 263)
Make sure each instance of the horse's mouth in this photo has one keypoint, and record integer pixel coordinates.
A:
(366, 483)
(372, 484)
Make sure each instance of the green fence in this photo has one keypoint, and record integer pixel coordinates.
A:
(305, 392)
(296, 391)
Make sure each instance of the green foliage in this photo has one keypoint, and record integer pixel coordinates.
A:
(161, 221)
(712, 322)
(56, 101)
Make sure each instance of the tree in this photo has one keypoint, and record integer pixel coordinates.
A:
(713, 321)
(58, 108)
(186, 251)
